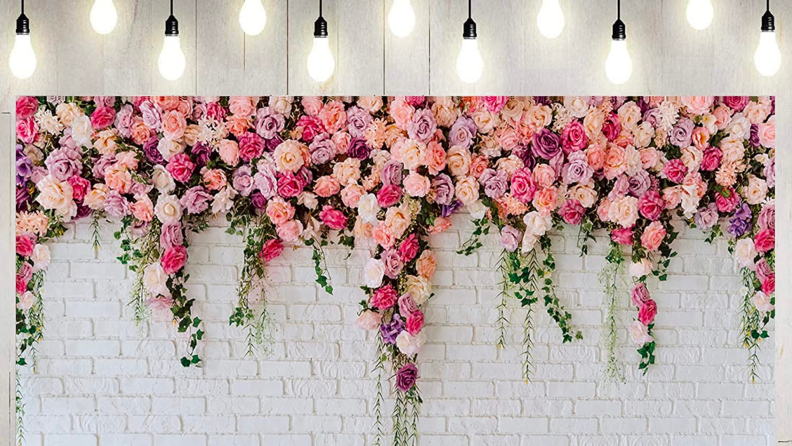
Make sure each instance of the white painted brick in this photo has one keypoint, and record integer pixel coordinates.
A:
(102, 381)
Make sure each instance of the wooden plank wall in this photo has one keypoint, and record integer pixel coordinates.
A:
(669, 57)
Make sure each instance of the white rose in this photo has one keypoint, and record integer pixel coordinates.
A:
(536, 224)
(419, 288)
(368, 320)
(155, 280)
(281, 104)
(373, 273)
(308, 200)
(81, 131)
(577, 105)
(168, 148)
(162, 180)
(224, 200)
(168, 209)
(41, 257)
(756, 191)
(640, 333)
(762, 302)
(745, 252)
(57, 196)
(25, 300)
(640, 268)
(368, 208)
(408, 344)
(477, 210)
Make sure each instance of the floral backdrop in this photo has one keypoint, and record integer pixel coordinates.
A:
(383, 174)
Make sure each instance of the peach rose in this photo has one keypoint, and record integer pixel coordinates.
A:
(326, 186)
(242, 105)
(173, 125)
(427, 264)
(290, 231)
(653, 236)
(383, 236)
(347, 172)
(143, 209)
(458, 160)
(545, 200)
(624, 211)
(215, 179)
(416, 185)
(467, 190)
(229, 152)
(279, 211)
(289, 156)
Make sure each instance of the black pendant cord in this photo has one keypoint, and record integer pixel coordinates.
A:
(23, 7)
(469, 28)
(171, 25)
(320, 25)
(22, 22)
(619, 29)
(470, 9)
(768, 20)
(320, 8)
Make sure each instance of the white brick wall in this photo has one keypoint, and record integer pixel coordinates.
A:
(104, 382)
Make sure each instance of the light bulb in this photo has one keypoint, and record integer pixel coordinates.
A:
(171, 59)
(618, 66)
(252, 17)
(470, 65)
(104, 16)
(320, 62)
(401, 18)
(699, 14)
(550, 19)
(23, 58)
(767, 57)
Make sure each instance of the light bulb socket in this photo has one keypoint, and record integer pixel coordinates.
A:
(469, 29)
(619, 30)
(23, 25)
(320, 27)
(171, 26)
(768, 22)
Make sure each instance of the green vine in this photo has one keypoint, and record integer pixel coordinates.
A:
(609, 277)
(139, 253)
(482, 227)
(379, 399)
(552, 303)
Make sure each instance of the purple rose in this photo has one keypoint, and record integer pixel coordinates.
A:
(462, 132)
(63, 163)
(392, 262)
(152, 117)
(392, 173)
(769, 172)
(151, 151)
(392, 329)
(423, 125)
(447, 210)
(639, 183)
(763, 270)
(546, 144)
(740, 221)
(195, 200)
(266, 182)
(273, 143)
(754, 138)
(766, 218)
(124, 121)
(407, 305)
(22, 198)
(706, 218)
(442, 190)
(510, 238)
(259, 201)
(406, 377)
(357, 121)
(115, 205)
(323, 149)
(358, 148)
(269, 123)
(682, 133)
(24, 167)
(652, 116)
(243, 180)
(84, 211)
(200, 153)
(171, 235)
(525, 155)
(577, 169)
(495, 183)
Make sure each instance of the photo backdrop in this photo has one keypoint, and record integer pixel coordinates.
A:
(384, 174)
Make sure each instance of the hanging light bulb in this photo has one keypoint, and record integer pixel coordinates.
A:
(104, 16)
(401, 18)
(470, 65)
(23, 58)
(699, 14)
(768, 56)
(321, 63)
(252, 17)
(550, 19)
(171, 60)
(618, 66)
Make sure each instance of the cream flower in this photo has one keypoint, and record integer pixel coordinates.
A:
(467, 190)
(26, 300)
(156, 280)
(373, 273)
(288, 156)
(762, 302)
(745, 253)
(81, 131)
(41, 257)
(57, 196)
(640, 268)
(419, 288)
(756, 190)
(624, 211)
(640, 333)
(162, 180)
(410, 345)
(168, 209)
(368, 208)
(224, 200)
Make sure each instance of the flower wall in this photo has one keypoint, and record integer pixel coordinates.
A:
(385, 173)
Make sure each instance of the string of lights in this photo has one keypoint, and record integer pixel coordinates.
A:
(401, 21)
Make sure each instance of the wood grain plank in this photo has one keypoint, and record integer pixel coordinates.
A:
(7, 293)
(185, 11)
(302, 14)
(266, 55)
(360, 58)
(80, 50)
(407, 58)
(129, 51)
(221, 48)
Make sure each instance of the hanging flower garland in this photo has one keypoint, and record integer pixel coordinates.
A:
(384, 174)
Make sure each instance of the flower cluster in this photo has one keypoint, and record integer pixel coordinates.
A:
(384, 174)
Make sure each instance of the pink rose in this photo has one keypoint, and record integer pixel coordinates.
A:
(622, 236)
(332, 218)
(180, 167)
(173, 259)
(27, 130)
(25, 244)
(522, 186)
(102, 117)
(765, 240)
(574, 138)
(26, 107)
(290, 231)
(229, 152)
(675, 170)
(326, 186)
(311, 128)
(415, 322)
(409, 248)
(648, 312)
(384, 297)
(407, 304)
(727, 203)
(80, 187)
(171, 236)
(21, 285)
(271, 249)
(768, 284)
(389, 195)
(416, 185)
(653, 235)
(289, 185)
(640, 295)
(251, 146)
(651, 205)
(572, 212)
(392, 263)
